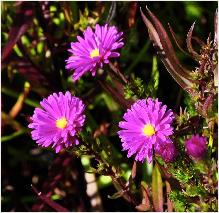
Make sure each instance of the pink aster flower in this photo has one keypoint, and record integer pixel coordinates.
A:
(147, 124)
(196, 146)
(95, 49)
(58, 121)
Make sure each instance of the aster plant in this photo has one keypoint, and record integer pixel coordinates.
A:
(149, 131)
(104, 125)
(147, 127)
(94, 50)
(56, 124)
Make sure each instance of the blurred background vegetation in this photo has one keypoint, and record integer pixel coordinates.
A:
(35, 37)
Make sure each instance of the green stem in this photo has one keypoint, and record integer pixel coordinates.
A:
(14, 135)
(139, 57)
(14, 94)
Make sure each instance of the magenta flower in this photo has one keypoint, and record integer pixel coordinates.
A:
(196, 146)
(146, 124)
(95, 49)
(56, 124)
(166, 150)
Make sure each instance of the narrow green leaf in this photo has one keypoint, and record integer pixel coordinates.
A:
(12, 93)
(154, 80)
(74, 7)
(155, 73)
(139, 56)
(13, 135)
(157, 189)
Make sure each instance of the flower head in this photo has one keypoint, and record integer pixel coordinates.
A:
(146, 124)
(94, 50)
(166, 150)
(57, 123)
(196, 146)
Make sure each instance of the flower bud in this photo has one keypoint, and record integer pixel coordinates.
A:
(196, 147)
(167, 151)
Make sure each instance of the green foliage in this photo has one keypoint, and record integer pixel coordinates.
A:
(181, 174)
(179, 200)
(85, 20)
(189, 103)
(193, 191)
(193, 10)
(134, 89)
(183, 171)
(183, 117)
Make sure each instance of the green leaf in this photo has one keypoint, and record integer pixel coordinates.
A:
(17, 50)
(157, 189)
(111, 104)
(14, 94)
(55, 197)
(13, 135)
(139, 56)
(154, 80)
(193, 10)
(40, 46)
(104, 181)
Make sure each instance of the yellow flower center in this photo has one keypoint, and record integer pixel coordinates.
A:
(148, 130)
(94, 53)
(61, 123)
